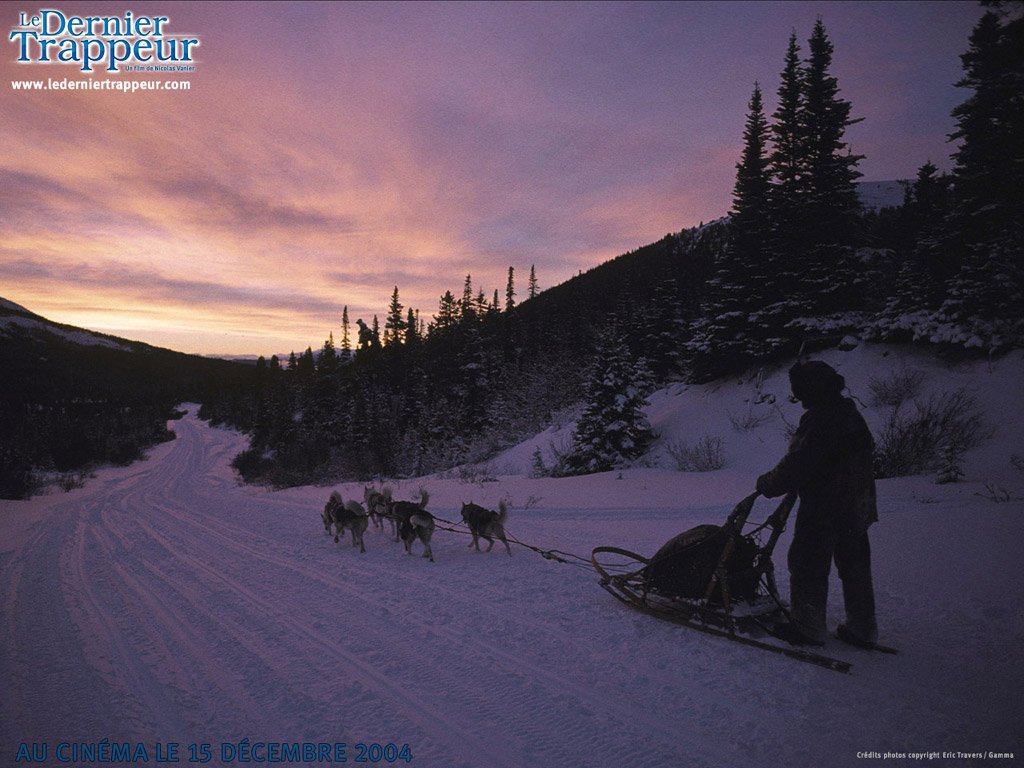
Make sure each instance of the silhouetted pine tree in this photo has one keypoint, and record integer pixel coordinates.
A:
(745, 280)
(989, 170)
(412, 332)
(832, 280)
(467, 309)
(750, 215)
(986, 295)
(447, 316)
(345, 353)
(510, 291)
(787, 162)
(832, 205)
(394, 323)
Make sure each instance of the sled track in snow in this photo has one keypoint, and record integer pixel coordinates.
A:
(186, 609)
(507, 673)
(511, 683)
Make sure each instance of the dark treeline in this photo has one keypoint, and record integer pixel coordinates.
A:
(803, 262)
(476, 378)
(67, 406)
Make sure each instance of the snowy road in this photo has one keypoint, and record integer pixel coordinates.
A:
(163, 603)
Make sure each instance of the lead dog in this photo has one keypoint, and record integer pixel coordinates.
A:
(414, 522)
(487, 524)
(349, 514)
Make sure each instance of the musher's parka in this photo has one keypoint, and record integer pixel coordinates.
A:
(829, 463)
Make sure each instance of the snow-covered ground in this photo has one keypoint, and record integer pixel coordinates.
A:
(165, 603)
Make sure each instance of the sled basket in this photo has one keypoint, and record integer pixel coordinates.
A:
(717, 574)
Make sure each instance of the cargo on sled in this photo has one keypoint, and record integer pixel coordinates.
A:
(716, 579)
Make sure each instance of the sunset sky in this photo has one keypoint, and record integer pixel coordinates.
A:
(329, 152)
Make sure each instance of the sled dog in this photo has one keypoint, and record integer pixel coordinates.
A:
(414, 522)
(328, 514)
(349, 514)
(487, 524)
(377, 504)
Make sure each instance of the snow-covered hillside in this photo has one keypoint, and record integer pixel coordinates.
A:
(165, 603)
(15, 319)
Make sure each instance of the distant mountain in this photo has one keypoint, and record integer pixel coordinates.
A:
(875, 195)
(15, 320)
(11, 306)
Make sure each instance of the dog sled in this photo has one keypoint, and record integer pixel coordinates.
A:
(716, 579)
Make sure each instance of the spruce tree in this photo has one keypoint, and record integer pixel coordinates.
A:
(745, 279)
(986, 229)
(532, 290)
(612, 429)
(750, 217)
(345, 355)
(510, 291)
(447, 316)
(394, 323)
(480, 304)
(814, 203)
(989, 170)
(327, 360)
(787, 161)
(467, 310)
(830, 281)
(412, 333)
(375, 333)
(831, 201)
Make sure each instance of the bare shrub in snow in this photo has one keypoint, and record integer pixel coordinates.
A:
(746, 422)
(477, 474)
(559, 462)
(930, 434)
(996, 493)
(895, 389)
(706, 456)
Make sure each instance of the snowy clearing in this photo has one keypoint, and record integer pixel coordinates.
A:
(165, 603)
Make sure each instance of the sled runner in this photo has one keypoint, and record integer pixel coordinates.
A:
(715, 579)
